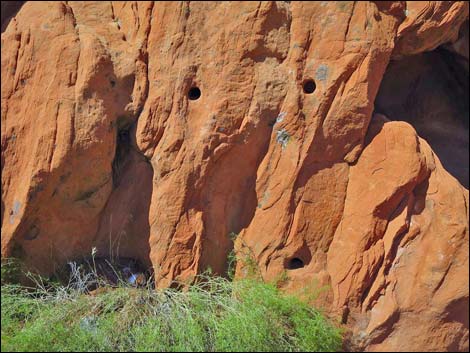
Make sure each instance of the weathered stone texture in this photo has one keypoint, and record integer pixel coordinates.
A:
(102, 148)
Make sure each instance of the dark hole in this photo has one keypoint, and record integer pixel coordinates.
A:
(113, 83)
(123, 136)
(194, 93)
(295, 263)
(309, 86)
(123, 142)
(109, 271)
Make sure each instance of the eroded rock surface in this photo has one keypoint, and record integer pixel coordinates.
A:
(101, 147)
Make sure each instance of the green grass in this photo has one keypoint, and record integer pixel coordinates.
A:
(213, 315)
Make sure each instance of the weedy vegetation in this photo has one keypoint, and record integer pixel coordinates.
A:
(213, 314)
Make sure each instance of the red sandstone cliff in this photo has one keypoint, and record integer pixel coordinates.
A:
(101, 147)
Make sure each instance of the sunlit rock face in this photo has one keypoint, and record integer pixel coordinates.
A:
(162, 131)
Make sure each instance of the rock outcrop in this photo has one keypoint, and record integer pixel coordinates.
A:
(158, 131)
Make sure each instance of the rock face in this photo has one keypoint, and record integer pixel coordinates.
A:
(106, 144)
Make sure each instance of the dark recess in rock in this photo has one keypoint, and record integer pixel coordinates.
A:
(430, 91)
(9, 10)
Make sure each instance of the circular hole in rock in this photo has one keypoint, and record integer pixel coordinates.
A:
(194, 93)
(309, 86)
(295, 263)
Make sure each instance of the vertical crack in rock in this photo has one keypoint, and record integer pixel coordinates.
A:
(121, 154)
(233, 184)
(124, 228)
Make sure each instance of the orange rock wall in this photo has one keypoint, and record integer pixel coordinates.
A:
(102, 148)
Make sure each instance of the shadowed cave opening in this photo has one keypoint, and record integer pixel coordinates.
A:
(120, 157)
(194, 93)
(294, 264)
(431, 92)
(93, 272)
(9, 10)
(120, 247)
(299, 259)
(124, 230)
(309, 86)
